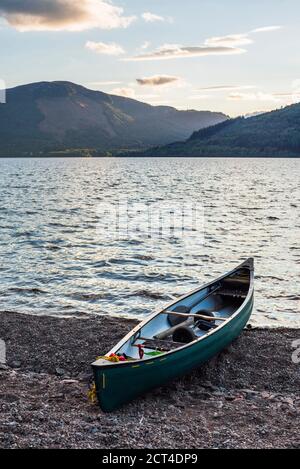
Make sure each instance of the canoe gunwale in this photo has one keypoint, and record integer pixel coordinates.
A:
(249, 263)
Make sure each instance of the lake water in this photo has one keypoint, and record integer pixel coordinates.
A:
(61, 254)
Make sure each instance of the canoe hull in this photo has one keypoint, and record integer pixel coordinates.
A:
(117, 385)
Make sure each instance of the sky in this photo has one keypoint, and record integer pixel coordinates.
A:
(219, 55)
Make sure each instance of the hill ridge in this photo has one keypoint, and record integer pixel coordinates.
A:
(275, 133)
(61, 117)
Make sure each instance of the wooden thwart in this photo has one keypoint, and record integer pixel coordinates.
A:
(197, 316)
(233, 293)
(159, 345)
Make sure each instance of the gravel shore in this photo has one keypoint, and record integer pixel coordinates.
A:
(247, 397)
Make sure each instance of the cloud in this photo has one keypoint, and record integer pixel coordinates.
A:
(157, 80)
(174, 51)
(285, 95)
(200, 96)
(252, 97)
(288, 97)
(221, 88)
(233, 40)
(63, 15)
(266, 29)
(237, 40)
(146, 45)
(104, 83)
(217, 45)
(151, 17)
(125, 92)
(104, 48)
(128, 92)
(208, 92)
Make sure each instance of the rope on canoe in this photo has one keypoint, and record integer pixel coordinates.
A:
(92, 394)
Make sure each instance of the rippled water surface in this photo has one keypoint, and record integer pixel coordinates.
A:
(59, 254)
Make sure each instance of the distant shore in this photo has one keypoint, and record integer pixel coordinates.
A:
(247, 397)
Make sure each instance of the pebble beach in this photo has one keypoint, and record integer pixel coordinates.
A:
(247, 397)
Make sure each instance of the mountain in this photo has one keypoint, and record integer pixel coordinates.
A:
(55, 118)
(276, 133)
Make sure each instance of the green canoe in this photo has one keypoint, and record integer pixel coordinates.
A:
(174, 341)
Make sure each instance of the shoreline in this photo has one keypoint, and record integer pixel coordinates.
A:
(247, 397)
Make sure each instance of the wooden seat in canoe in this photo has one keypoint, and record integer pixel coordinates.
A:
(232, 293)
(159, 345)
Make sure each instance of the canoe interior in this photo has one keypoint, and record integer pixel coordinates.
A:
(222, 298)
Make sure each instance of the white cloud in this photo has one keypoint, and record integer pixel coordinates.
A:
(174, 51)
(201, 96)
(63, 15)
(217, 45)
(129, 92)
(126, 92)
(266, 29)
(288, 97)
(157, 80)
(284, 95)
(151, 17)
(146, 45)
(104, 83)
(237, 40)
(252, 97)
(233, 40)
(222, 88)
(104, 48)
(209, 92)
